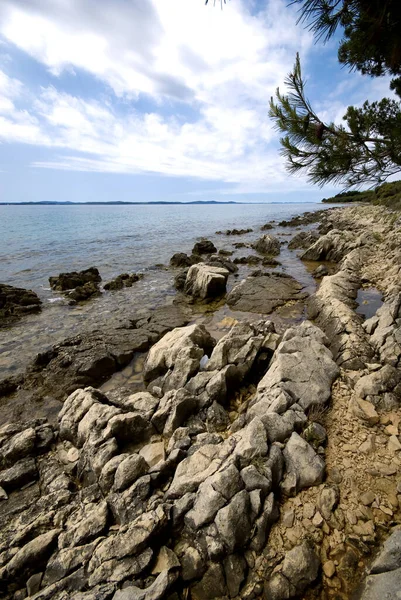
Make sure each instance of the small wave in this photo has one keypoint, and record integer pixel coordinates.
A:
(53, 300)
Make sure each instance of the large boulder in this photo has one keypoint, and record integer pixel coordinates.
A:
(267, 244)
(205, 282)
(265, 293)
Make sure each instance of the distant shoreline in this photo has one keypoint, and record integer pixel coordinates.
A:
(199, 202)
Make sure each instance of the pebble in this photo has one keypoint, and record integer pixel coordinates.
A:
(367, 498)
(394, 444)
(385, 510)
(317, 519)
(288, 518)
(73, 454)
(391, 430)
(329, 568)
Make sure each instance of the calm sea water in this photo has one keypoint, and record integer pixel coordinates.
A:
(39, 241)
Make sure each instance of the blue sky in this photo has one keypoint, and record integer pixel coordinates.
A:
(147, 100)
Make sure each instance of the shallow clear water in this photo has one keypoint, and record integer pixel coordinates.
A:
(39, 241)
(368, 300)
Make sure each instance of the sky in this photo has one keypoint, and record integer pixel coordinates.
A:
(157, 100)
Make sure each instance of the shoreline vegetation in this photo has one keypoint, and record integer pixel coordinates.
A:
(387, 194)
(261, 463)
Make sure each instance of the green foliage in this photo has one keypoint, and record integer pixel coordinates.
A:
(367, 151)
(371, 41)
(367, 148)
(387, 194)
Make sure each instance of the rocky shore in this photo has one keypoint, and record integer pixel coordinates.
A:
(263, 463)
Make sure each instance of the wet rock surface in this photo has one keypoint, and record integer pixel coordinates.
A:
(16, 302)
(69, 281)
(265, 293)
(123, 280)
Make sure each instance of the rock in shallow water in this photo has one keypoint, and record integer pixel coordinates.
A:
(16, 302)
(263, 294)
(205, 282)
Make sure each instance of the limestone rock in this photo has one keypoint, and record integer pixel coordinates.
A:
(265, 293)
(205, 282)
(303, 463)
(267, 244)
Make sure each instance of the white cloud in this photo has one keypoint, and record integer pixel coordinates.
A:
(223, 65)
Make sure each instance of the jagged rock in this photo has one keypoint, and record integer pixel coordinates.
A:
(299, 569)
(304, 467)
(265, 293)
(192, 471)
(69, 281)
(327, 501)
(180, 352)
(117, 570)
(383, 585)
(153, 453)
(90, 525)
(128, 471)
(123, 280)
(32, 556)
(223, 263)
(166, 561)
(320, 272)
(332, 308)
(67, 560)
(212, 495)
(241, 345)
(379, 382)
(83, 292)
(217, 418)
(174, 409)
(251, 441)
(212, 585)
(303, 239)
(15, 302)
(233, 522)
(332, 247)
(364, 410)
(389, 557)
(267, 244)
(204, 247)
(131, 541)
(156, 591)
(254, 480)
(24, 471)
(263, 523)
(302, 368)
(234, 569)
(180, 259)
(205, 282)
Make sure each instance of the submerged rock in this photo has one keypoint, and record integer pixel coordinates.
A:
(265, 293)
(123, 280)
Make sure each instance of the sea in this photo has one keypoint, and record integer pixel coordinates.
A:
(39, 241)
